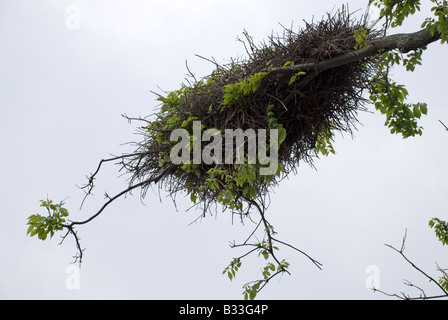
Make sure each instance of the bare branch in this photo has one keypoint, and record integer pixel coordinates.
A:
(90, 185)
(130, 188)
(317, 263)
(423, 295)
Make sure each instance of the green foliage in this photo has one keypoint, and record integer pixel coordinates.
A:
(172, 100)
(389, 97)
(412, 59)
(441, 229)
(232, 268)
(439, 22)
(43, 225)
(360, 36)
(443, 281)
(252, 288)
(296, 75)
(272, 268)
(273, 124)
(324, 143)
(401, 117)
(396, 10)
(234, 93)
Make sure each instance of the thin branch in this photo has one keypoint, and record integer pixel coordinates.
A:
(253, 232)
(72, 224)
(243, 245)
(270, 278)
(130, 188)
(317, 263)
(431, 279)
(79, 255)
(267, 226)
(90, 185)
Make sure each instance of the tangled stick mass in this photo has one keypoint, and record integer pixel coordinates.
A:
(264, 91)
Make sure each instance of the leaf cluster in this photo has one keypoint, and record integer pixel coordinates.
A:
(441, 229)
(42, 226)
(388, 96)
(270, 270)
(439, 22)
(361, 36)
(397, 10)
(401, 117)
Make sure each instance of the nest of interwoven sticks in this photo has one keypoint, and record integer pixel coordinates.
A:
(313, 104)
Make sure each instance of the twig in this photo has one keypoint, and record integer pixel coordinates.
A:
(317, 263)
(90, 185)
(71, 226)
(130, 188)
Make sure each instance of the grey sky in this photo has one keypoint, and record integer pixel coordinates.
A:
(62, 93)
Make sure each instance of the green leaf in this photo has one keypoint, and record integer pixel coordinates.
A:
(193, 197)
(252, 294)
(30, 228)
(265, 254)
(44, 225)
(295, 76)
(424, 108)
(416, 111)
(281, 135)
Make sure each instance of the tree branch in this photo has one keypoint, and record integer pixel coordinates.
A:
(423, 295)
(404, 42)
(90, 185)
(130, 188)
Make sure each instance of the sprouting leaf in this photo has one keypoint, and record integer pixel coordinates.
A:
(43, 225)
(295, 76)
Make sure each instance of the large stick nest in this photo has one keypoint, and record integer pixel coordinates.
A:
(328, 103)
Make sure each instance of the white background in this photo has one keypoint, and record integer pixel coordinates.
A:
(62, 93)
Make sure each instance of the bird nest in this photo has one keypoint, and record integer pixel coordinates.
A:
(266, 90)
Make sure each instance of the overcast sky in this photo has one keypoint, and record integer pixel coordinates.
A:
(63, 88)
